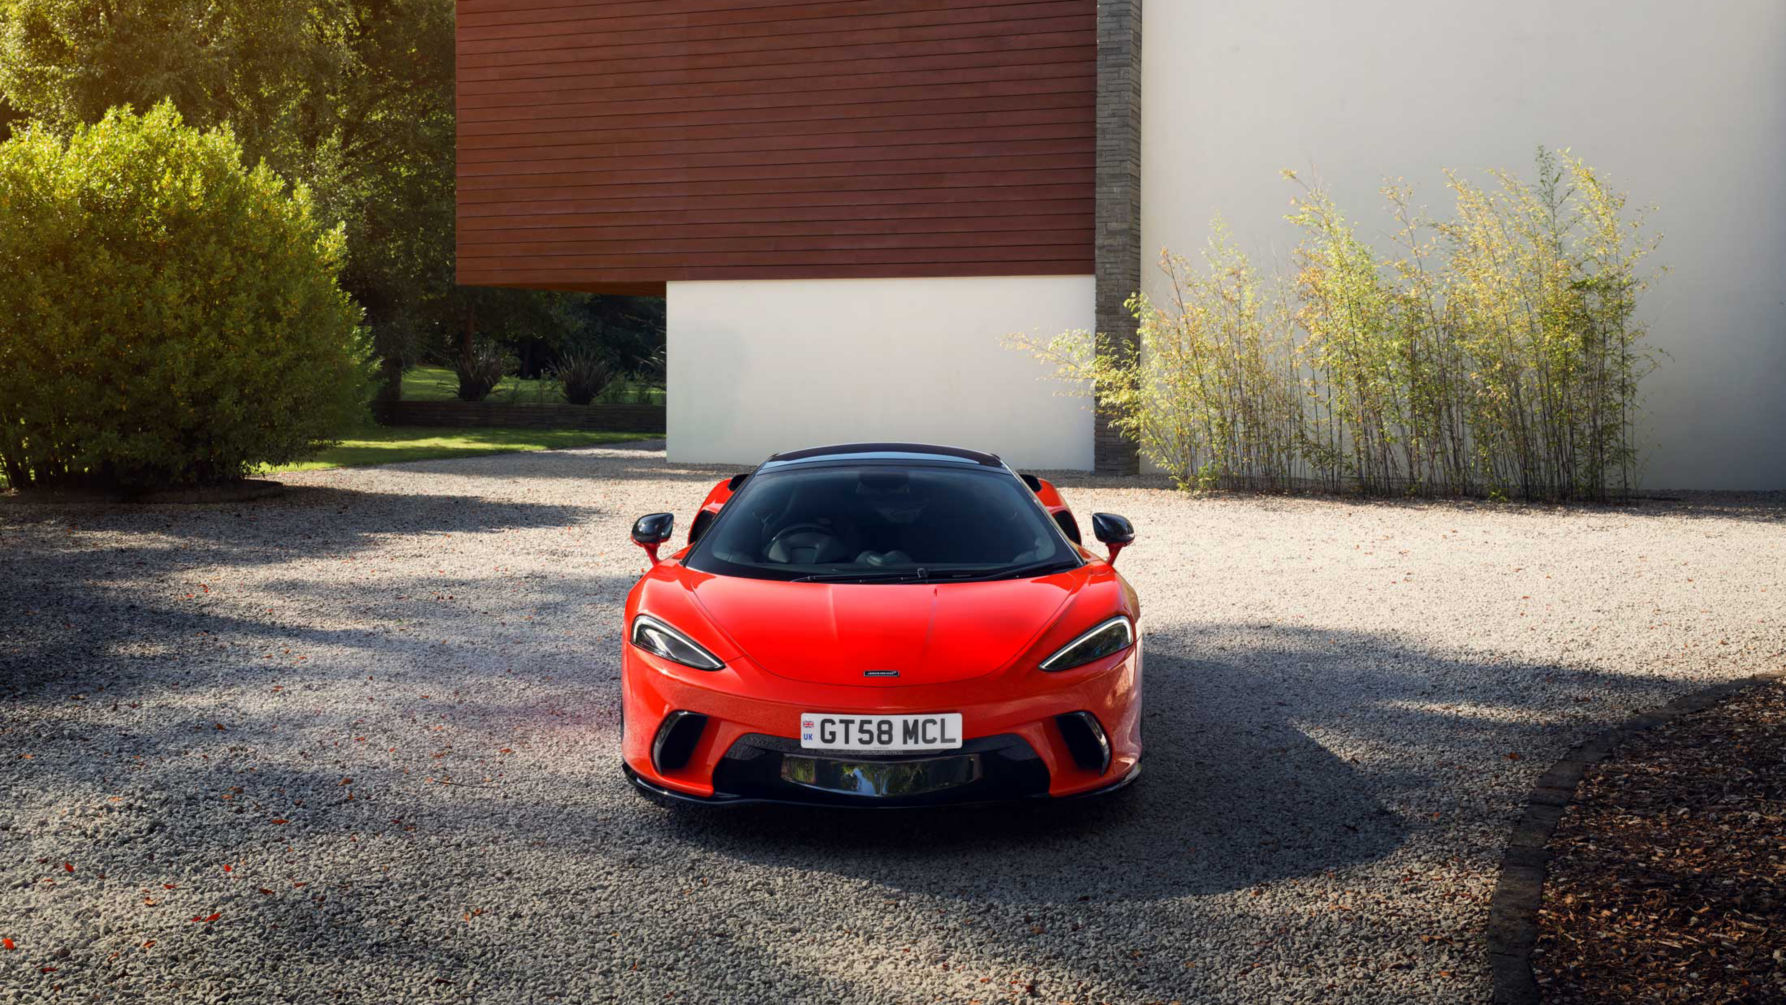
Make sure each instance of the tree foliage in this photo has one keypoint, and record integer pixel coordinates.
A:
(169, 315)
(9, 116)
(354, 98)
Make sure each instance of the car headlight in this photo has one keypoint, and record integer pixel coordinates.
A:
(654, 636)
(1104, 639)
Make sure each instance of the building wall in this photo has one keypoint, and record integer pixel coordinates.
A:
(1681, 104)
(615, 145)
(757, 367)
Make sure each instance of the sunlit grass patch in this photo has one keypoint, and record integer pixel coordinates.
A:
(392, 444)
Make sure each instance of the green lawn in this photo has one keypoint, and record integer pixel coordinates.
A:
(389, 444)
(439, 383)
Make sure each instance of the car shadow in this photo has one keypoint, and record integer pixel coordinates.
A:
(1249, 777)
(1221, 804)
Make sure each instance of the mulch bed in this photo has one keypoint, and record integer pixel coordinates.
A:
(1667, 881)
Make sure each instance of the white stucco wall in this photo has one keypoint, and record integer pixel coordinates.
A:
(1681, 104)
(757, 367)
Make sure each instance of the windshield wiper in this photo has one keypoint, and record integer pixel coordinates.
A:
(865, 576)
(1006, 572)
(925, 575)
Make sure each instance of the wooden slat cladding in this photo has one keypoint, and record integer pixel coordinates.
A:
(618, 145)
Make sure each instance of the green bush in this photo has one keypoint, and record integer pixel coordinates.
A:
(167, 316)
(480, 369)
(581, 375)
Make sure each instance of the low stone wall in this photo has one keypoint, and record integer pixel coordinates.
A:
(641, 419)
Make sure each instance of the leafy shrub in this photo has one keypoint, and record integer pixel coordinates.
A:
(1498, 355)
(167, 316)
(480, 369)
(582, 374)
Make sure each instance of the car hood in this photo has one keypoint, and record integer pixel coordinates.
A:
(834, 633)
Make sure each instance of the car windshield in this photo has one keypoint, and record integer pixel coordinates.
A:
(881, 522)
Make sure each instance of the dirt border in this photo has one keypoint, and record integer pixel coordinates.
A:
(1519, 888)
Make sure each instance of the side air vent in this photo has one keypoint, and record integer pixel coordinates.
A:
(1085, 740)
(1068, 525)
(676, 739)
(699, 525)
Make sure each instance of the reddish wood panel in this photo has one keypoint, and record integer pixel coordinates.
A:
(615, 145)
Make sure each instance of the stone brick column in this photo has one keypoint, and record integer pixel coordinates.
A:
(1118, 205)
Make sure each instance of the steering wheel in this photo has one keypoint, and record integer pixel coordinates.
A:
(804, 544)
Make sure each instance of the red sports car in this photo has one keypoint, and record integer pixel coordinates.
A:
(881, 624)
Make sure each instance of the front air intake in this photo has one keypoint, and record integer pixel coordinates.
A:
(676, 739)
(1085, 740)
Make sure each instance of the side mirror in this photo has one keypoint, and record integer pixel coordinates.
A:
(652, 530)
(1115, 531)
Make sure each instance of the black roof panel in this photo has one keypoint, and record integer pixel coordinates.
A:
(899, 449)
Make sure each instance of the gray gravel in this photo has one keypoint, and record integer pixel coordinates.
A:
(369, 728)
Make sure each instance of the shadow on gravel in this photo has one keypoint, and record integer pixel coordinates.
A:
(100, 640)
(1234, 791)
(84, 612)
(311, 520)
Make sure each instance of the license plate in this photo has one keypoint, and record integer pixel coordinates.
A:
(831, 731)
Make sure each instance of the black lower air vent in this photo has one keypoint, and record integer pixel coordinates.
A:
(676, 739)
(1085, 740)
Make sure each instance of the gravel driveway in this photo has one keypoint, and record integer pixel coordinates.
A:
(358, 743)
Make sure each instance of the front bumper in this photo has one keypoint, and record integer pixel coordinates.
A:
(1019, 737)
(671, 797)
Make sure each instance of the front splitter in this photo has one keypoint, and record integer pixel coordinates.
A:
(719, 800)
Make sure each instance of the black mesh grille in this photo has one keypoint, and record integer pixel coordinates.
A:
(1009, 769)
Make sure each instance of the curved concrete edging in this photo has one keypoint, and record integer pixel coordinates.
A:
(1519, 889)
